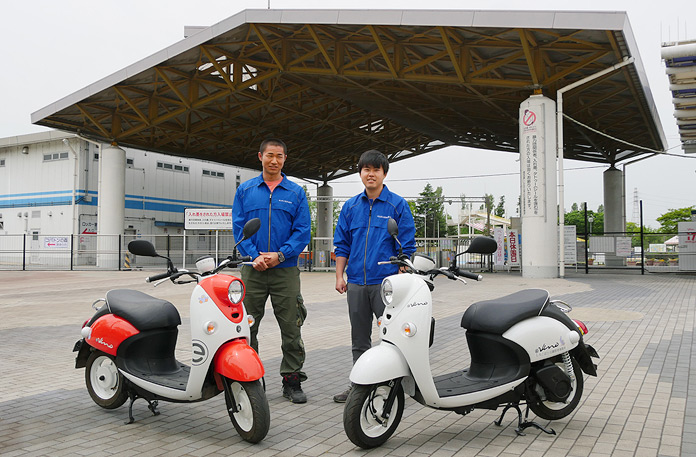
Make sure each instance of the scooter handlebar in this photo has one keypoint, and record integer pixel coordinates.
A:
(158, 277)
(469, 275)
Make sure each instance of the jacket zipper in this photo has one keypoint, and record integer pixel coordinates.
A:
(270, 202)
(369, 222)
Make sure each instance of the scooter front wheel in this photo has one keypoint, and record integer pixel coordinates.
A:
(105, 384)
(253, 416)
(364, 419)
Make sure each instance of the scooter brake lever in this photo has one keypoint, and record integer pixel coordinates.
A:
(157, 283)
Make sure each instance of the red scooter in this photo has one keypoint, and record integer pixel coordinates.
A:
(127, 347)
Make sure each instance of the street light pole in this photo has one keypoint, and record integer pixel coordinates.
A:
(425, 231)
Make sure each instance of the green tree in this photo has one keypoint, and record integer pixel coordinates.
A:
(577, 218)
(431, 205)
(574, 207)
(500, 209)
(669, 220)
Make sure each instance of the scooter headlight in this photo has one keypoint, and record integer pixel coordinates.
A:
(235, 291)
(387, 292)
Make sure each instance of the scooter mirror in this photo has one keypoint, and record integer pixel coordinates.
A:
(142, 247)
(252, 226)
(392, 227)
(482, 245)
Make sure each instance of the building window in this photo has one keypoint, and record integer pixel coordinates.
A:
(96, 156)
(129, 163)
(172, 167)
(55, 156)
(2, 162)
(239, 181)
(215, 174)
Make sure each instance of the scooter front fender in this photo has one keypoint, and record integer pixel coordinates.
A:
(237, 360)
(379, 364)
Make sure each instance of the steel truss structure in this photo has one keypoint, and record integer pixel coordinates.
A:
(333, 84)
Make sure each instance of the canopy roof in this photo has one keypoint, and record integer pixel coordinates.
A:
(334, 83)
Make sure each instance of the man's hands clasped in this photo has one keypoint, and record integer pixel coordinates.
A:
(266, 260)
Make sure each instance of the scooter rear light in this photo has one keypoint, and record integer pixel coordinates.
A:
(85, 323)
(251, 320)
(581, 326)
(379, 322)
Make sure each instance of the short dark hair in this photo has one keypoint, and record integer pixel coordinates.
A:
(273, 142)
(373, 158)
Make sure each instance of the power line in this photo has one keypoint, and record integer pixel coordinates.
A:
(491, 175)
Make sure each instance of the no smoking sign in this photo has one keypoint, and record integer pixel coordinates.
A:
(528, 118)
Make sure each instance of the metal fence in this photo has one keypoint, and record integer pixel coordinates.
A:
(110, 252)
(652, 252)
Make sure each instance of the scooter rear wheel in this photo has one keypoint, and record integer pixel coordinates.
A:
(363, 421)
(105, 384)
(551, 410)
(253, 417)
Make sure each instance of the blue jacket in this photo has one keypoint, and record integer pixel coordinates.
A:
(361, 235)
(284, 214)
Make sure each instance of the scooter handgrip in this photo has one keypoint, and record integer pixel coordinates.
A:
(157, 277)
(469, 275)
(246, 258)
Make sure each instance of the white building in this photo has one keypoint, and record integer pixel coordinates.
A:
(49, 188)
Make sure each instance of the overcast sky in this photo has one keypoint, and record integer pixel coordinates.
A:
(50, 49)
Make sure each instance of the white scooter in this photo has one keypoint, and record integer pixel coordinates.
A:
(524, 350)
(127, 347)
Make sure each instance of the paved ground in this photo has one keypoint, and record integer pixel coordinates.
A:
(642, 403)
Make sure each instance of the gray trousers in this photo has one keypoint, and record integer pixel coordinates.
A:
(363, 303)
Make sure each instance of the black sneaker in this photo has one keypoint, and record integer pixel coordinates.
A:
(343, 396)
(292, 389)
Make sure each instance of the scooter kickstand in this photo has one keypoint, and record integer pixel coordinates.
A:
(151, 405)
(522, 424)
(132, 397)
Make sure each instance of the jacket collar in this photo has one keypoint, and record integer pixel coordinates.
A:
(383, 196)
(259, 180)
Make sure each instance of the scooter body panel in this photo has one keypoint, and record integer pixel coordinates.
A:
(108, 332)
(206, 314)
(379, 364)
(237, 360)
(542, 337)
(411, 305)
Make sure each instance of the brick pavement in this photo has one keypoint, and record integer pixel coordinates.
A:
(642, 402)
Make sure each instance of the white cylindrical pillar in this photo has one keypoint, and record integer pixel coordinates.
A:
(111, 209)
(539, 214)
(614, 210)
(324, 234)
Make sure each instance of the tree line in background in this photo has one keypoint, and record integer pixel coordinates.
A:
(668, 223)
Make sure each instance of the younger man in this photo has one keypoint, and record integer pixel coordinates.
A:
(361, 240)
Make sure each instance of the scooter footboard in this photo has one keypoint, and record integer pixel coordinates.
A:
(379, 364)
(237, 360)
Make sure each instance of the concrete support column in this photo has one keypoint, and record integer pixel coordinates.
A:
(539, 213)
(324, 234)
(111, 210)
(614, 209)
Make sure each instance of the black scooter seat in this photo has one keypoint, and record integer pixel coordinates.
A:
(498, 315)
(143, 311)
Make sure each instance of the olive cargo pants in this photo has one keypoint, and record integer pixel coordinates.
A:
(283, 285)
